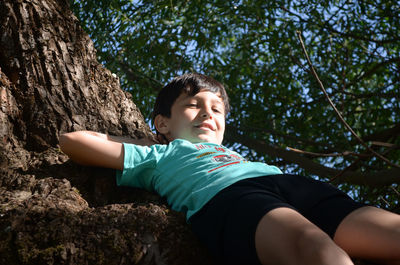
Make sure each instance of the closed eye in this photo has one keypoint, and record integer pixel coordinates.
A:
(217, 110)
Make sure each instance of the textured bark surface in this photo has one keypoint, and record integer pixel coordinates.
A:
(53, 211)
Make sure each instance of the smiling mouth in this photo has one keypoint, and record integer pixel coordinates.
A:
(205, 127)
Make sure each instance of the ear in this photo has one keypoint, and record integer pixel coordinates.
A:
(161, 123)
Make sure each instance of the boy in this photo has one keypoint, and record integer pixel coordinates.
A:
(245, 212)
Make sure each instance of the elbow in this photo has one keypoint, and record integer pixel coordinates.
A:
(63, 141)
(70, 145)
(67, 142)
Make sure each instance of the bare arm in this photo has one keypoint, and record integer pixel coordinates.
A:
(97, 149)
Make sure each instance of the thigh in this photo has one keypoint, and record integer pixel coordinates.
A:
(321, 203)
(284, 236)
(370, 233)
(227, 224)
(241, 224)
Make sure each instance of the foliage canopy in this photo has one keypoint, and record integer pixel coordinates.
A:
(277, 105)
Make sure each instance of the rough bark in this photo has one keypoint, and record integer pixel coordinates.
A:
(53, 211)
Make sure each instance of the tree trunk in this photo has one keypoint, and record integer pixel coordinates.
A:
(52, 210)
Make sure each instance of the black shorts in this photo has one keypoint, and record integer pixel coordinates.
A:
(227, 223)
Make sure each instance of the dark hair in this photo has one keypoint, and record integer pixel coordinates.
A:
(191, 83)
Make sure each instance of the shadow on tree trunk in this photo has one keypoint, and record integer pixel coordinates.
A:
(54, 211)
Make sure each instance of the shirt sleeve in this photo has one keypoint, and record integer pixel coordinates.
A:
(140, 163)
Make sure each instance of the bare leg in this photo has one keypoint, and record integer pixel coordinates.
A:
(284, 236)
(371, 233)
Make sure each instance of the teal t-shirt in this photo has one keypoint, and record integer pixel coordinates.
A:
(187, 174)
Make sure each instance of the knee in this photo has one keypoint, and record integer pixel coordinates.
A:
(316, 247)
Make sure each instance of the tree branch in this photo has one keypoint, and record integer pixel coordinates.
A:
(374, 69)
(319, 144)
(335, 109)
(372, 179)
(389, 95)
(384, 135)
(345, 153)
(359, 37)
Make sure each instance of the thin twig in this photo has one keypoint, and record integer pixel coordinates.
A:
(383, 144)
(334, 107)
(345, 153)
(385, 201)
(396, 191)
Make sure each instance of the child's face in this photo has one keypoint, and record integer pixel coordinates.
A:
(198, 118)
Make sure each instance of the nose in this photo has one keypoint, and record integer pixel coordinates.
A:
(206, 113)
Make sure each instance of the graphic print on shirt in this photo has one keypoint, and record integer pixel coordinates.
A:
(227, 157)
